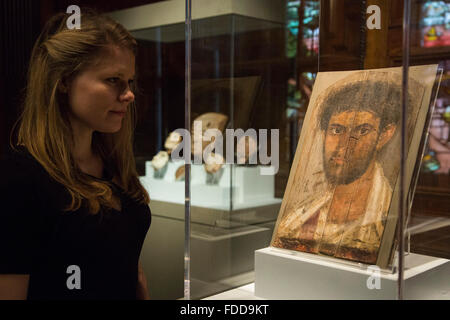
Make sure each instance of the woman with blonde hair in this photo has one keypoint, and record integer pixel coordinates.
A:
(74, 215)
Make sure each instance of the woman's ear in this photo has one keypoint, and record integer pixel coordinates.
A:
(63, 85)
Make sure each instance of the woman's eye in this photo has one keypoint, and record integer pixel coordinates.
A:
(113, 80)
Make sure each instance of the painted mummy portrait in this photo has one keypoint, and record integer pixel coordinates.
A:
(346, 166)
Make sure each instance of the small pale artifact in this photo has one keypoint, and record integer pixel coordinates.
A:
(210, 120)
(179, 174)
(159, 164)
(214, 168)
(172, 141)
(248, 153)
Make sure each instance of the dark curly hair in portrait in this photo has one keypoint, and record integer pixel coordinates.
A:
(381, 98)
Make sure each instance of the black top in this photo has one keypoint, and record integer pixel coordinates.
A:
(58, 248)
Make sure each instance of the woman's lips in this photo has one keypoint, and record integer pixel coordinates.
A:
(122, 114)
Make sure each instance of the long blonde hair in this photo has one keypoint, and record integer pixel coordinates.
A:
(62, 53)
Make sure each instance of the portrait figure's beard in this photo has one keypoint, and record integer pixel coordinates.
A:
(350, 170)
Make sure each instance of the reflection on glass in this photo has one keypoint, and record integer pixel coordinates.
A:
(302, 48)
(435, 24)
(437, 158)
(308, 12)
(429, 223)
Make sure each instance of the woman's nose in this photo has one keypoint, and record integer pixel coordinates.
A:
(127, 95)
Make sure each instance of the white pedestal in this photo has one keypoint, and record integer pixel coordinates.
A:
(280, 274)
(220, 253)
(250, 188)
(253, 196)
(222, 259)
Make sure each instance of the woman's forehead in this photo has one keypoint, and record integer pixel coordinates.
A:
(118, 61)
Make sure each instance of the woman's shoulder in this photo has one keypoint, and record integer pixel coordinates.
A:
(18, 165)
(19, 155)
(18, 184)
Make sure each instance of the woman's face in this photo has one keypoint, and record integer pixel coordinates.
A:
(97, 93)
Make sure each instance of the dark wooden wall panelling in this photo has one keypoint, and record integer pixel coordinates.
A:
(20, 23)
(19, 29)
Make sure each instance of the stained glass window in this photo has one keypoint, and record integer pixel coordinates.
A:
(437, 159)
(435, 24)
(310, 25)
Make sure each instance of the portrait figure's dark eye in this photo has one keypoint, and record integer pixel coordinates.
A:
(363, 130)
(337, 129)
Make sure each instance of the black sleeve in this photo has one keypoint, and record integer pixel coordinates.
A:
(17, 205)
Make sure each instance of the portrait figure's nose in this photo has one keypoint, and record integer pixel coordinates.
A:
(343, 142)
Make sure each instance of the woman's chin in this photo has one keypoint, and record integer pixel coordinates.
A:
(110, 129)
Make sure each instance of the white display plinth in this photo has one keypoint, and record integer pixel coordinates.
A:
(280, 274)
(211, 257)
(222, 258)
(250, 188)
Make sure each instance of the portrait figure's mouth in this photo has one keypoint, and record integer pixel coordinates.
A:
(338, 161)
(341, 169)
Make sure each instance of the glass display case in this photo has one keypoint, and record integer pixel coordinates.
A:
(257, 74)
(430, 212)
(234, 61)
(233, 207)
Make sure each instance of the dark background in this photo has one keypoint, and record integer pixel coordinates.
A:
(342, 47)
(20, 24)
